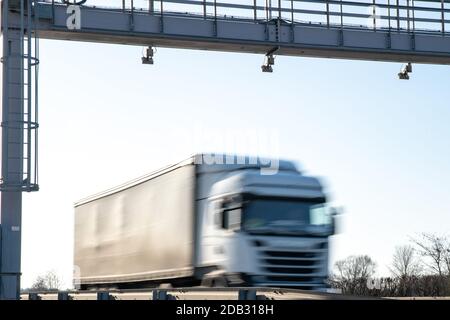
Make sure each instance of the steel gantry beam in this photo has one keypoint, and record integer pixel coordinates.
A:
(377, 30)
(385, 38)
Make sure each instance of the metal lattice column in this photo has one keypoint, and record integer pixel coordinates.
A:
(11, 201)
(19, 132)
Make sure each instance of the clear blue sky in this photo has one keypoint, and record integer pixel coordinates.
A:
(380, 144)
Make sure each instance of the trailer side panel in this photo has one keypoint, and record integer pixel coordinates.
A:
(143, 232)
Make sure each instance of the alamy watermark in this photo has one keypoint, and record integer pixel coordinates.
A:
(73, 21)
(76, 277)
(267, 166)
(240, 147)
(376, 283)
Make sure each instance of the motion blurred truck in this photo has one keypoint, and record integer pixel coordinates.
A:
(219, 223)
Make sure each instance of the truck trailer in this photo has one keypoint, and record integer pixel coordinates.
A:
(209, 220)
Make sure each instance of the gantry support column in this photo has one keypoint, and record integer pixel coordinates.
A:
(12, 125)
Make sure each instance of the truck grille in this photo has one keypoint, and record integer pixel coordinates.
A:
(289, 254)
(289, 268)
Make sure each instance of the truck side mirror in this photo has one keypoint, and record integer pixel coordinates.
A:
(227, 216)
(231, 219)
(218, 213)
(335, 213)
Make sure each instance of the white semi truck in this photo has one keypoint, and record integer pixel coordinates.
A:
(216, 223)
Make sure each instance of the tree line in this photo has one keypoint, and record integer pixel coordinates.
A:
(420, 268)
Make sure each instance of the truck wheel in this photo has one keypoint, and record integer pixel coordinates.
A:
(219, 282)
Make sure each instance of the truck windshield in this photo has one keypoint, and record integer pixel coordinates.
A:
(267, 213)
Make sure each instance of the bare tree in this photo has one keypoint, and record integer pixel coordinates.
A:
(47, 281)
(447, 256)
(353, 273)
(405, 262)
(436, 249)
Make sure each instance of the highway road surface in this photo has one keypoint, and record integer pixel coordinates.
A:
(191, 294)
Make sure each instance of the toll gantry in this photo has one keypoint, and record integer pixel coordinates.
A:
(405, 31)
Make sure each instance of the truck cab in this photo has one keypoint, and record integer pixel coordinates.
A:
(263, 230)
